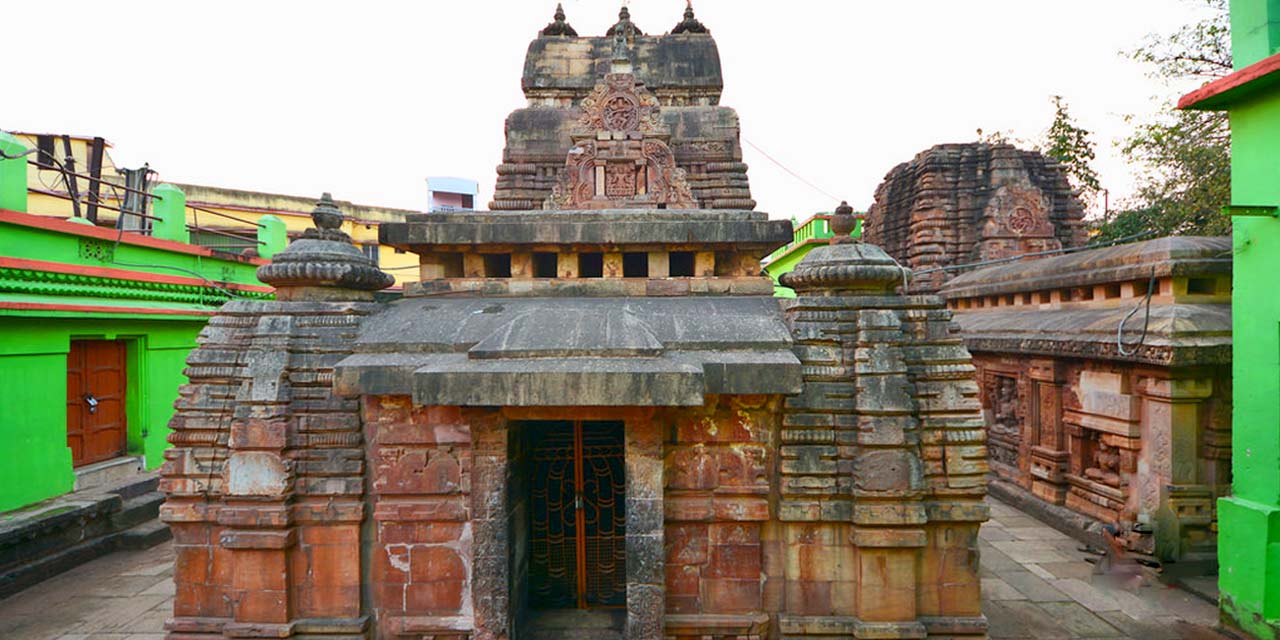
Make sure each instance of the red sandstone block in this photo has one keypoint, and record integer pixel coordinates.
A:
(328, 602)
(262, 606)
(742, 466)
(731, 596)
(390, 563)
(734, 533)
(258, 434)
(191, 564)
(192, 534)
(686, 544)
(687, 508)
(419, 532)
(683, 604)
(190, 599)
(222, 566)
(389, 596)
(404, 470)
(808, 598)
(433, 563)
(333, 566)
(439, 597)
(256, 570)
(378, 409)
(337, 535)
(682, 580)
(692, 468)
(734, 561)
(740, 508)
(423, 509)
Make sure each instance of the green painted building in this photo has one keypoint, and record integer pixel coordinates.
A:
(95, 328)
(814, 232)
(1249, 520)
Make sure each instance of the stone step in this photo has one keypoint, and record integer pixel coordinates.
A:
(49, 537)
(137, 510)
(145, 535)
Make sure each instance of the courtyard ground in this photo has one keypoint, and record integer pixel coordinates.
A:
(1036, 583)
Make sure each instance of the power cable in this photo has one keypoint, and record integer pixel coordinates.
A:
(1146, 322)
(788, 170)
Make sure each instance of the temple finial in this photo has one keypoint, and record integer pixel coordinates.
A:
(558, 26)
(624, 25)
(690, 24)
(326, 214)
(842, 223)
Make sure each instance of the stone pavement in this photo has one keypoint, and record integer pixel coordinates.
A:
(1035, 584)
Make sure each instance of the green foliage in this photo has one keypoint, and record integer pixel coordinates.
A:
(1070, 145)
(1183, 157)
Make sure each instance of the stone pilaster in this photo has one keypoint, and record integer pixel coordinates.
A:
(644, 531)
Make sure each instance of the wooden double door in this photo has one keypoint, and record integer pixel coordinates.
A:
(578, 514)
(96, 384)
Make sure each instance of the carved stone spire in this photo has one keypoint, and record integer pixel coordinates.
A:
(559, 27)
(624, 25)
(690, 24)
(324, 262)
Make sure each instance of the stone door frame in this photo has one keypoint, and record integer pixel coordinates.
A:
(645, 573)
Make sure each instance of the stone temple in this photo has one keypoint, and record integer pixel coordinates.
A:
(590, 415)
(957, 204)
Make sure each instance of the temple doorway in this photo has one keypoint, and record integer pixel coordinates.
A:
(569, 524)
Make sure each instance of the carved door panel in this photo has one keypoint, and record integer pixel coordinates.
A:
(578, 554)
(96, 379)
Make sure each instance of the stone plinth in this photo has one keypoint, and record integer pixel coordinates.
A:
(1132, 432)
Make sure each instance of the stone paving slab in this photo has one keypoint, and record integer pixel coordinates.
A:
(1036, 584)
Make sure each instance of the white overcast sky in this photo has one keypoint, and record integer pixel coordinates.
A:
(365, 99)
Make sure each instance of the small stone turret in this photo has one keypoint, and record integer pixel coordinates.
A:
(883, 448)
(324, 264)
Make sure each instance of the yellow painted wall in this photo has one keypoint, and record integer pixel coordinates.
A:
(361, 223)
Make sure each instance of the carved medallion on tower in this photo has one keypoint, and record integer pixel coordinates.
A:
(621, 158)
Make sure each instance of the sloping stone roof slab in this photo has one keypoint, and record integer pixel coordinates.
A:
(572, 352)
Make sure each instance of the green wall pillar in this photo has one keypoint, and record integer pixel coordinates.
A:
(1255, 30)
(13, 174)
(272, 237)
(1249, 520)
(171, 209)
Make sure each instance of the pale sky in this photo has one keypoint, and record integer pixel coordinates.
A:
(365, 99)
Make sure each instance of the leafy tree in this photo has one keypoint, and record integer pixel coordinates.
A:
(1183, 157)
(1070, 145)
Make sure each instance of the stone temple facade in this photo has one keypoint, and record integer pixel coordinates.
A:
(1090, 426)
(957, 204)
(592, 421)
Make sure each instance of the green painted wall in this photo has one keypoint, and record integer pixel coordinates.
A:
(36, 331)
(33, 390)
(1249, 520)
